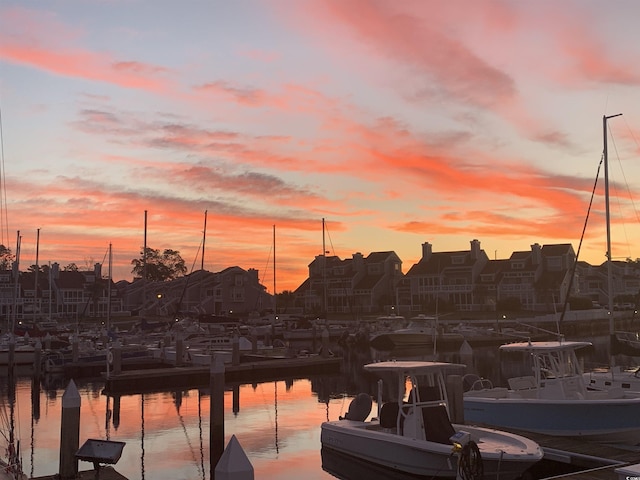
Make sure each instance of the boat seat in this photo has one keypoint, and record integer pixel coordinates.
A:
(426, 393)
(522, 383)
(437, 425)
(389, 415)
(359, 408)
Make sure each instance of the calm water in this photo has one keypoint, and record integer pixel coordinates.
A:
(167, 433)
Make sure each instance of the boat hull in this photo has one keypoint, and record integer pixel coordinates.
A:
(367, 442)
(21, 356)
(604, 421)
(388, 341)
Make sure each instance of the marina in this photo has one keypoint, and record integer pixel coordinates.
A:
(276, 417)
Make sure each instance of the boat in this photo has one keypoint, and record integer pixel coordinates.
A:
(615, 377)
(624, 342)
(413, 435)
(24, 351)
(422, 331)
(555, 400)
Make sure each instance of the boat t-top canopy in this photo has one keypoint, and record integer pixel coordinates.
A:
(541, 347)
(409, 367)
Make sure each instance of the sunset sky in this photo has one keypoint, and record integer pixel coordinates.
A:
(399, 122)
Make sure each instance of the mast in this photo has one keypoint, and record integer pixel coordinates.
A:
(35, 289)
(204, 238)
(608, 219)
(324, 274)
(16, 272)
(275, 299)
(144, 252)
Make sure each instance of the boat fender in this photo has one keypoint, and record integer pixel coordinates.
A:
(110, 357)
(359, 408)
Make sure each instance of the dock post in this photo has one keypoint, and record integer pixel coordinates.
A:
(75, 353)
(70, 432)
(179, 350)
(234, 463)
(12, 350)
(235, 350)
(116, 358)
(254, 340)
(37, 359)
(216, 431)
(326, 352)
(455, 396)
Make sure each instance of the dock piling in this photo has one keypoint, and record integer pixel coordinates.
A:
(70, 432)
(216, 432)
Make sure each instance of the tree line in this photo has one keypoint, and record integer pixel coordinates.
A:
(152, 264)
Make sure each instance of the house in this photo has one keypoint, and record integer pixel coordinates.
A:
(446, 280)
(357, 285)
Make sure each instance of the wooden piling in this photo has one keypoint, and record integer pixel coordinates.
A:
(75, 350)
(116, 357)
(179, 350)
(235, 350)
(456, 401)
(326, 352)
(69, 432)
(37, 360)
(216, 431)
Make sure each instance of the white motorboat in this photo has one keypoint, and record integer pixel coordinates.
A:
(421, 331)
(412, 434)
(555, 400)
(617, 378)
(24, 352)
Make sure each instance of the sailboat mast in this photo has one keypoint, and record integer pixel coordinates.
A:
(35, 280)
(608, 219)
(324, 273)
(16, 265)
(204, 239)
(275, 298)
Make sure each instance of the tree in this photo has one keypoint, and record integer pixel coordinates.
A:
(72, 267)
(159, 267)
(6, 258)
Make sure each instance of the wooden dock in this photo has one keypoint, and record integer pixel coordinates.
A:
(142, 381)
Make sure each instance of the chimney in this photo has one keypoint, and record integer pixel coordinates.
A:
(358, 262)
(426, 251)
(475, 249)
(536, 254)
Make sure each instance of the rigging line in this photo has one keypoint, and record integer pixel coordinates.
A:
(266, 267)
(4, 221)
(618, 197)
(333, 251)
(575, 263)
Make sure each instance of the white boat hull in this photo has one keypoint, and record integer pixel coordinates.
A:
(367, 441)
(604, 421)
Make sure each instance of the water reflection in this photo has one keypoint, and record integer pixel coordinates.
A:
(277, 423)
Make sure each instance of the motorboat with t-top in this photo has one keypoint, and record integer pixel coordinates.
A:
(554, 400)
(412, 433)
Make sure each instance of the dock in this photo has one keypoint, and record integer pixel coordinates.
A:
(104, 473)
(571, 458)
(132, 382)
